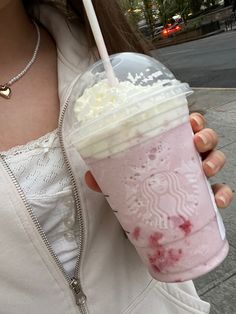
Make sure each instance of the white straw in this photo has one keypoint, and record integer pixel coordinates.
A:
(100, 42)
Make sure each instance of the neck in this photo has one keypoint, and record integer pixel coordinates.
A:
(17, 37)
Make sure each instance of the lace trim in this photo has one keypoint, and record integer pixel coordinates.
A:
(44, 141)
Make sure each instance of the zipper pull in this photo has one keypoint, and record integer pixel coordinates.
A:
(80, 297)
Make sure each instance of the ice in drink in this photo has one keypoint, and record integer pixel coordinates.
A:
(138, 143)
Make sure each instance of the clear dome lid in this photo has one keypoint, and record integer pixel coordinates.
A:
(137, 68)
(143, 83)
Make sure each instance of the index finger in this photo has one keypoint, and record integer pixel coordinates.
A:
(197, 121)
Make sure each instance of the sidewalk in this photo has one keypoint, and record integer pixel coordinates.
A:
(219, 106)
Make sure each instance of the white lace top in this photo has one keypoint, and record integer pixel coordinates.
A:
(40, 169)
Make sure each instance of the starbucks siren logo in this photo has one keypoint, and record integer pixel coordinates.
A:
(158, 191)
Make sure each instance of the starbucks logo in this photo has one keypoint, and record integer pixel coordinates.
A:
(162, 187)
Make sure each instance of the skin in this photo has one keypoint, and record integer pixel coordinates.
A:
(4, 3)
(17, 31)
(34, 107)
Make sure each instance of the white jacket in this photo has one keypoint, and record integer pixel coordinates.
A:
(111, 276)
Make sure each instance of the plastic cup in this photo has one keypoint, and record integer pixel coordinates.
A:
(138, 144)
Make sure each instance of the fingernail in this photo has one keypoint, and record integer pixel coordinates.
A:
(198, 121)
(222, 199)
(203, 138)
(211, 165)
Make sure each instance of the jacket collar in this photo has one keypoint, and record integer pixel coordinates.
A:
(74, 56)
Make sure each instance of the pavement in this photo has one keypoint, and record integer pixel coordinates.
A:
(219, 107)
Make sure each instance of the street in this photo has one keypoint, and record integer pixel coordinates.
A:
(208, 62)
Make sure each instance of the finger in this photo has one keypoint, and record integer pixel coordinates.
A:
(206, 140)
(213, 163)
(197, 121)
(91, 182)
(223, 195)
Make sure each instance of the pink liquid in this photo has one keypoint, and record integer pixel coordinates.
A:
(160, 195)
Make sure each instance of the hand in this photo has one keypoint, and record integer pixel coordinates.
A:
(206, 141)
(213, 160)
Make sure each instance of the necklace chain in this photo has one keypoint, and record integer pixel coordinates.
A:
(6, 86)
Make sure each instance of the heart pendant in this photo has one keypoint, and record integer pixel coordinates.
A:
(5, 91)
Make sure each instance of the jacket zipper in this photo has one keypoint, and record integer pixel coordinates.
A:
(74, 283)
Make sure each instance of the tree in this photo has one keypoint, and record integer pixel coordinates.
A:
(167, 8)
(195, 6)
(140, 9)
(149, 14)
(183, 9)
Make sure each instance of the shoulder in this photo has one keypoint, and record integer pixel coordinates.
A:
(74, 54)
(69, 35)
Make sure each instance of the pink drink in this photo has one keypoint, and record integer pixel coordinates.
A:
(137, 141)
(162, 199)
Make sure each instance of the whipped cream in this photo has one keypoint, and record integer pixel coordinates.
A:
(101, 99)
(112, 119)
